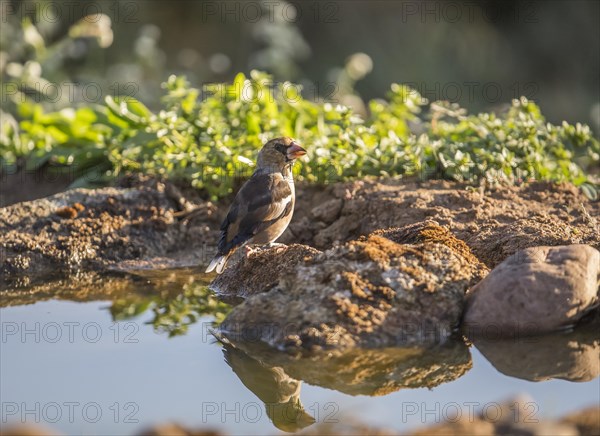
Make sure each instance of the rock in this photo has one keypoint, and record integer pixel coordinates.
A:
(517, 416)
(348, 426)
(102, 229)
(328, 211)
(544, 428)
(87, 286)
(27, 430)
(368, 292)
(140, 224)
(520, 415)
(23, 183)
(462, 426)
(516, 409)
(431, 231)
(359, 371)
(260, 271)
(572, 356)
(174, 429)
(536, 290)
(587, 421)
(116, 287)
(494, 223)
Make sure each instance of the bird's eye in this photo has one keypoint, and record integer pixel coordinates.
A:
(282, 148)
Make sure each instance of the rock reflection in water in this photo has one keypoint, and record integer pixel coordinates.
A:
(357, 371)
(177, 298)
(89, 286)
(572, 356)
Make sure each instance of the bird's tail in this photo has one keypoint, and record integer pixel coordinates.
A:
(219, 262)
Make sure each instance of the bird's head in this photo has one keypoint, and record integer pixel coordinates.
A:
(279, 152)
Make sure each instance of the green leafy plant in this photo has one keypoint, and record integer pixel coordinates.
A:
(211, 139)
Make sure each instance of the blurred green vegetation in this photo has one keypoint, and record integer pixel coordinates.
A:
(478, 54)
(212, 141)
(209, 137)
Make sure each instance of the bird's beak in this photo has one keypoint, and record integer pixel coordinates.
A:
(294, 151)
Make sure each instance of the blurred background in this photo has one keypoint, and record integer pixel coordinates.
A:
(479, 54)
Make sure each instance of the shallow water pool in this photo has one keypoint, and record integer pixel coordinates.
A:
(147, 357)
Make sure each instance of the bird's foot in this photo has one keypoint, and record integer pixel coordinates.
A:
(277, 246)
(249, 250)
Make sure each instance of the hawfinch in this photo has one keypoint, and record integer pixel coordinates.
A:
(263, 207)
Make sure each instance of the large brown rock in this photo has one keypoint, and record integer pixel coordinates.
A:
(98, 230)
(430, 231)
(494, 222)
(260, 271)
(539, 289)
(369, 292)
(587, 421)
(515, 416)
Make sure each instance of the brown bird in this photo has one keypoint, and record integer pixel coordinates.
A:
(263, 207)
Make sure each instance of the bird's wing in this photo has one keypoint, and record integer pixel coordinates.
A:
(263, 199)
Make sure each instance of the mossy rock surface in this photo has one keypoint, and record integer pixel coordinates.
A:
(371, 292)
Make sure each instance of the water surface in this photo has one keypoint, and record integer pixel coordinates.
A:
(147, 356)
